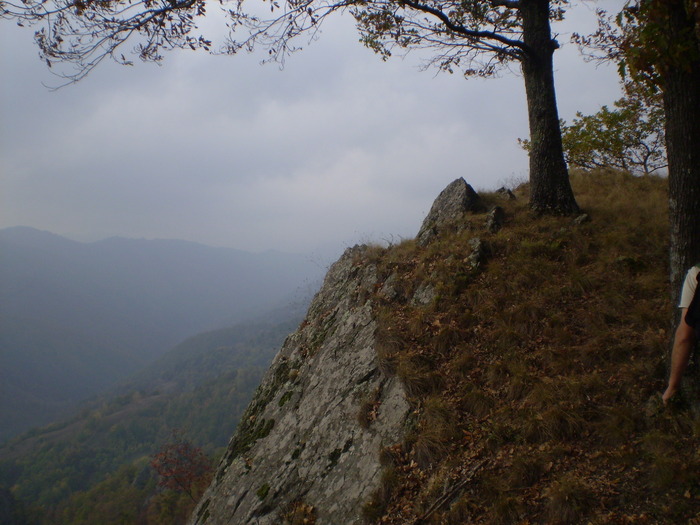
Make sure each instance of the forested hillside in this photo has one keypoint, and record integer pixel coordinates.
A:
(94, 467)
(75, 318)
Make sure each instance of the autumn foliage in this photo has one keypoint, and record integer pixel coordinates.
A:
(182, 467)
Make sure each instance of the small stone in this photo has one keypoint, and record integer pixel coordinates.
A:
(388, 290)
(479, 253)
(494, 220)
(584, 217)
(423, 295)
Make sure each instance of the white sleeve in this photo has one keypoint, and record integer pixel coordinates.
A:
(689, 286)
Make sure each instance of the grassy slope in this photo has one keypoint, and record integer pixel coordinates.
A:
(534, 377)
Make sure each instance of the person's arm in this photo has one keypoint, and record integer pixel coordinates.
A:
(680, 355)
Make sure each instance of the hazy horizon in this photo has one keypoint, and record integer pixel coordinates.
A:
(338, 148)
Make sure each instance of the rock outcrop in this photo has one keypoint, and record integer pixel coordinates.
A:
(308, 446)
(300, 448)
(457, 199)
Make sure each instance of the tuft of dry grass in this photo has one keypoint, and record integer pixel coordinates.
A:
(666, 466)
(300, 513)
(437, 429)
(556, 423)
(429, 448)
(378, 502)
(464, 362)
(506, 509)
(569, 499)
(527, 469)
(461, 512)
(390, 344)
(418, 375)
(616, 424)
(448, 340)
(476, 403)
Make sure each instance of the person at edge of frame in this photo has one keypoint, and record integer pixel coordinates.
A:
(686, 332)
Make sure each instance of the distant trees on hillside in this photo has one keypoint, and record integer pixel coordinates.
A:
(629, 136)
(95, 467)
(657, 43)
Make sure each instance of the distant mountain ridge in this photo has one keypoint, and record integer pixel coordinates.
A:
(76, 317)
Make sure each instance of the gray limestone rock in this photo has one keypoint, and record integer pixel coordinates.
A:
(495, 218)
(425, 293)
(581, 219)
(505, 192)
(450, 206)
(479, 254)
(388, 291)
(300, 441)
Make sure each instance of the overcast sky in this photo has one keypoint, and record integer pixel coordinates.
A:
(337, 148)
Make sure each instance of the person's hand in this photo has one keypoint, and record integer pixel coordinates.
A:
(668, 394)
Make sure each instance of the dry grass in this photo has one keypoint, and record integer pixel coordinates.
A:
(527, 469)
(568, 500)
(369, 408)
(418, 375)
(538, 368)
(437, 430)
(378, 502)
(300, 513)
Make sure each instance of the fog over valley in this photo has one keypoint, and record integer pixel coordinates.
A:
(76, 317)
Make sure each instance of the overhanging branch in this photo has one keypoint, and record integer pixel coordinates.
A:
(459, 29)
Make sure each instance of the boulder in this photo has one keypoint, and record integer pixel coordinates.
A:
(457, 199)
(505, 192)
(478, 255)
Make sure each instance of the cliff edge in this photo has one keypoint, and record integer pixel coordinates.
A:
(300, 448)
(308, 446)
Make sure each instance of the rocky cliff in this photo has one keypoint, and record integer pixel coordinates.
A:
(308, 446)
(299, 447)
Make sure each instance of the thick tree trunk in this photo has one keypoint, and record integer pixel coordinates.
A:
(550, 190)
(681, 89)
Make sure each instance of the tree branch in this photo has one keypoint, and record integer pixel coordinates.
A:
(510, 4)
(470, 33)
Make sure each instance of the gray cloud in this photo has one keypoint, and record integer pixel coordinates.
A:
(337, 148)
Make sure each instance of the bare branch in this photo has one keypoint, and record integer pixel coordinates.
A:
(477, 37)
(464, 31)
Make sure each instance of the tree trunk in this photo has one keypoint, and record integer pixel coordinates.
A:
(681, 93)
(550, 190)
(681, 90)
